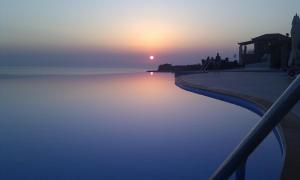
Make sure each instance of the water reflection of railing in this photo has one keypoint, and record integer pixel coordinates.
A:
(236, 161)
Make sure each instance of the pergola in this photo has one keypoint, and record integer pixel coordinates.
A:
(262, 45)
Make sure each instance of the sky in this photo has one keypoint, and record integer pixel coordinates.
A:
(126, 32)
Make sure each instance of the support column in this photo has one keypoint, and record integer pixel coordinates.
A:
(241, 56)
(245, 49)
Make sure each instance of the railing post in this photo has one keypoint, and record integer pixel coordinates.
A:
(268, 122)
(240, 173)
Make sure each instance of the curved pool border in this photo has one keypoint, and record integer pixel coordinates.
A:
(257, 105)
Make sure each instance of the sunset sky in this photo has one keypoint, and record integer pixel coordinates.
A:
(127, 32)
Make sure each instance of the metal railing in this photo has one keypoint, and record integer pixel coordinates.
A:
(205, 66)
(236, 161)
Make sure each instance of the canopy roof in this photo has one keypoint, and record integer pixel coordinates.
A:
(266, 37)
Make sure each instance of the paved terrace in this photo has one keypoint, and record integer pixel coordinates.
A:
(262, 88)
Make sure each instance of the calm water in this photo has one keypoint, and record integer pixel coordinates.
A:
(120, 126)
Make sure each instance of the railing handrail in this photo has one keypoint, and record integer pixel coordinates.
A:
(268, 122)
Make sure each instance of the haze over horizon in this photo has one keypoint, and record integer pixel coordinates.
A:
(125, 33)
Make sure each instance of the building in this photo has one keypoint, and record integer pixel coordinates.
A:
(273, 49)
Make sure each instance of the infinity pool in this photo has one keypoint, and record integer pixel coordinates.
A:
(120, 126)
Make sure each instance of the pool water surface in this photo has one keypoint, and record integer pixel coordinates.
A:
(120, 126)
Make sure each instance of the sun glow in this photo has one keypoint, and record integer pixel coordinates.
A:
(154, 36)
(144, 35)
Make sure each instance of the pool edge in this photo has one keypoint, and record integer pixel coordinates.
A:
(257, 105)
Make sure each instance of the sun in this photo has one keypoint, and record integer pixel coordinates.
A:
(151, 57)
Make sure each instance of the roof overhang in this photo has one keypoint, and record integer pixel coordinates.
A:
(245, 43)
